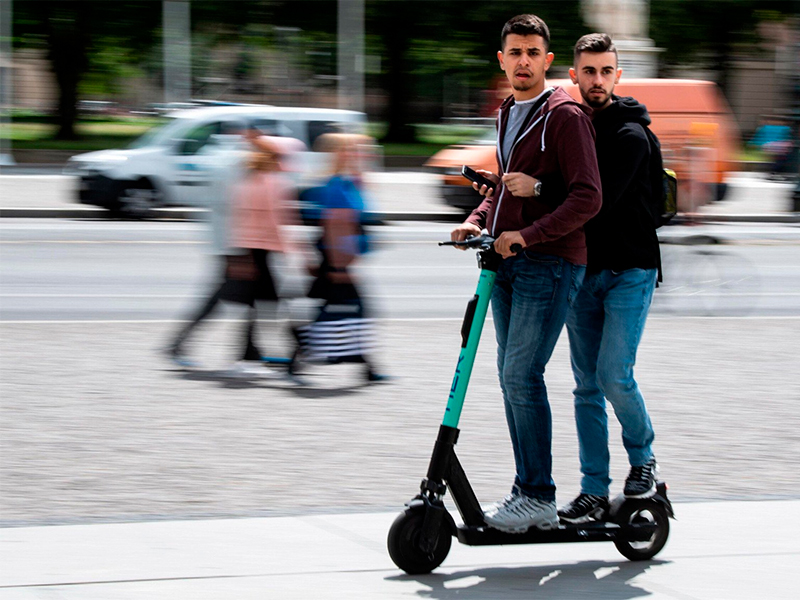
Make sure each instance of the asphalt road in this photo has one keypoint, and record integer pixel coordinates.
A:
(55, 270)
(97, 426)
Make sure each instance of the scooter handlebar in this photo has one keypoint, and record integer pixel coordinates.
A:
(479, 241)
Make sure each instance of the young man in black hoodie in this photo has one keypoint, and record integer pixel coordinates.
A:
(606, 321)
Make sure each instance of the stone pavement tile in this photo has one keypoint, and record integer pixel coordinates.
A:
(720, 550)
(98, 426)
(164, 550)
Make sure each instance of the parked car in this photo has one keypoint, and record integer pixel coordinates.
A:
(171, 165)
(694, 123)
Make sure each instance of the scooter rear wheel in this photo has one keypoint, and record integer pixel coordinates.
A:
(645, 512)
(404, 547)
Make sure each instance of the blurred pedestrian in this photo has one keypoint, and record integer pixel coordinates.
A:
(607, 318)
(228, 170)
(774, 138)
(543, 134)
(342, 332)
(248, 228)
(264, 208)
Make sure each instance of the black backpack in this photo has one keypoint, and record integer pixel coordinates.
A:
(663, 185)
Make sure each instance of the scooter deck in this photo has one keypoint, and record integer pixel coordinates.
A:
(584, 532)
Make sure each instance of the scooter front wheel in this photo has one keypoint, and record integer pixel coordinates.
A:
(404, 544)
(644, 512)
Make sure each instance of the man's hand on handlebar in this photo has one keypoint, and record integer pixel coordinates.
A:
(502, 245)
(464, 231)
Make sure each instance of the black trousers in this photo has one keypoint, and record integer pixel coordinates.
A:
(255, 285)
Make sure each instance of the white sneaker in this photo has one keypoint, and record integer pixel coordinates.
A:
(521, 513)
(251, 368)
(501, 504)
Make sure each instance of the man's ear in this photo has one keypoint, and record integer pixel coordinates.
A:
(549, 60)
(573, 75)
(500, 59)
(619, 74)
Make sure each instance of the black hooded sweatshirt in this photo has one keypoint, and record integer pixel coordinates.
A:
(622, 235)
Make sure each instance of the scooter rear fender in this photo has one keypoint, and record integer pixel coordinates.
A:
(659, 497)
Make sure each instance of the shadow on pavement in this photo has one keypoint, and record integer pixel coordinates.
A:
(599, 580)
(224, 379)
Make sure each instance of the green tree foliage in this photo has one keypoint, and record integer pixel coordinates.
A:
(424, 46)
(422, 41)
(83, 36)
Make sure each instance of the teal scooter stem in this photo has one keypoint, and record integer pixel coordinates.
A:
(471, 330)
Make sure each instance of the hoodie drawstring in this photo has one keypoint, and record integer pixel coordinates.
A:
(544, 129)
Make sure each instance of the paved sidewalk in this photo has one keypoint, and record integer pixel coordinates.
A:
(716, 551)
(97, 426)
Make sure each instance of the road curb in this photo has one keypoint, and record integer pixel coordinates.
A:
(196, 214)
(745, 218)
(88, 212)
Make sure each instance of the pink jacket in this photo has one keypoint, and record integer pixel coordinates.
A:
(263, 207)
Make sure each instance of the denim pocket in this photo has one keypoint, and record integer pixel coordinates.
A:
(537, 276)
(541, 259)
(632, 272)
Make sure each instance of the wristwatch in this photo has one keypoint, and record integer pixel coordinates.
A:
(537, 188)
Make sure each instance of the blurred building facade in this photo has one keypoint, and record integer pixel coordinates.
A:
(763, 86)
(290, 73)
(627, 22)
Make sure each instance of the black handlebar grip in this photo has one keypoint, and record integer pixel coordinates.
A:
(516, 248)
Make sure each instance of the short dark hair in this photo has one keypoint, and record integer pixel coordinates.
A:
(594, 42)
(525, 25)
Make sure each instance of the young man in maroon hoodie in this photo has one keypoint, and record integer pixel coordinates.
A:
(542, 133)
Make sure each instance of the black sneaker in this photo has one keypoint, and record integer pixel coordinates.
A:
(641, 481)
(583, 509)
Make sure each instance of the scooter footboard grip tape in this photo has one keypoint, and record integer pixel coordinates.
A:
(469, 316)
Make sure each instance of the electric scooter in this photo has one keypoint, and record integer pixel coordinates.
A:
(421, 536)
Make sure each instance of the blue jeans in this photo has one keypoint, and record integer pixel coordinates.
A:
(605, 325)
(529, 302)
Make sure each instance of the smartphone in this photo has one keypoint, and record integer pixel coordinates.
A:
(473, 175)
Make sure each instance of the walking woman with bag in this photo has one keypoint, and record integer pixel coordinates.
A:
(264, 207)
(342, 332)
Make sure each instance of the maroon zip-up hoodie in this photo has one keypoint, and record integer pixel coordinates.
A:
(557, 146)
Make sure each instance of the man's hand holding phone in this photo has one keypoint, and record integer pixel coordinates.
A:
(485, 182)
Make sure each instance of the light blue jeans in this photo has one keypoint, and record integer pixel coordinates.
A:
(605, 325)
(530, 300)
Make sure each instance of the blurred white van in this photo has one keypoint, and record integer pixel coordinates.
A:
(175, 164)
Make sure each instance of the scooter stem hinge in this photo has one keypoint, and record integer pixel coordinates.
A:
(434, 487)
